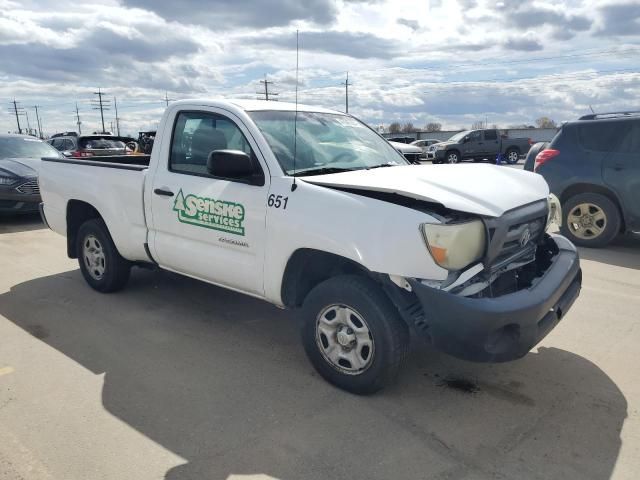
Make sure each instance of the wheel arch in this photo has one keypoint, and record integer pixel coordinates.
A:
(308, 267)
(514, 148)
(578, 188)
(78, 212)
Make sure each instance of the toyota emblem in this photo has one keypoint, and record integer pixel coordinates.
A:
(525, 237)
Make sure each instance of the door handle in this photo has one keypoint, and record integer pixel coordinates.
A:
(163, 192)
(617, 167)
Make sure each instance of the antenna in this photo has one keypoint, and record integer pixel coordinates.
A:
(295, 120)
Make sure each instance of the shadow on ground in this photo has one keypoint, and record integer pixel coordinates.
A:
(20, 223)
(221, 380)
(624, 251)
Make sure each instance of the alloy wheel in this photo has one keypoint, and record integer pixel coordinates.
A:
(587, 221)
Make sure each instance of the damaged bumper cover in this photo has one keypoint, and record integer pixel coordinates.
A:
(505, 327)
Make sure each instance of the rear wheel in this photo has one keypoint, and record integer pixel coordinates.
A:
(590, 220)
(101, 265)
(512, 156)
(353, 335)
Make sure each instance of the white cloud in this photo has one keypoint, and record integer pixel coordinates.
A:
(450, 62)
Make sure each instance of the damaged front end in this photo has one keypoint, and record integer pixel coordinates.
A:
(498, 308)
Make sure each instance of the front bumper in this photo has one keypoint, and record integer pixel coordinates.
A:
(505, 327)
(436, 155)
(12, 203)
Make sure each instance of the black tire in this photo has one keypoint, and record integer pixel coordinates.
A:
(450, 155)
(388, 333)
(115, 269)
(512, 156)
(609, 229)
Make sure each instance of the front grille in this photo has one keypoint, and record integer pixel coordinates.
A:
(515, 235)
(29, 188)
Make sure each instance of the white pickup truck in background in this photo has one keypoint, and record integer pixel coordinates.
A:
(315, 211)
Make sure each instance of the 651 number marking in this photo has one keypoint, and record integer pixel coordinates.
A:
(277, 201)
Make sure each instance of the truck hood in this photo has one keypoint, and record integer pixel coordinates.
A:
(481, 189)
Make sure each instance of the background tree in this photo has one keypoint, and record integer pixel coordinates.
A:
(394, 127)
(433, 127)
(408, 128)
(546, 122)
(477, 125)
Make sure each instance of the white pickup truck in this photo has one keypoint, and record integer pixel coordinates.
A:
(313, 210)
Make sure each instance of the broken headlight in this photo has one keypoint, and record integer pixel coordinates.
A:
(454, 246)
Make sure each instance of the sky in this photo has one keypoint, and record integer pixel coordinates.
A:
(454, 62)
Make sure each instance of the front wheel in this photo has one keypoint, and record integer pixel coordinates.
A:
(353, 335)
(100, 263)
(452, 157)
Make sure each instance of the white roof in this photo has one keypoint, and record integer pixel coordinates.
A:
(256, 105)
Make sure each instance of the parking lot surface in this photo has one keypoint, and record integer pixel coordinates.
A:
(177, 379)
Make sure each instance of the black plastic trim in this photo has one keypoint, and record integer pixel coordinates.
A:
(96, 163)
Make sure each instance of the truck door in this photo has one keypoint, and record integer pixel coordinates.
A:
(491, 144)
(621, 171)
(472, 144)
(201, 226)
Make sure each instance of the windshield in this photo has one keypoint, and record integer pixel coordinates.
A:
(324, 142)
(459, 136)
(25, 147)
(100, 143)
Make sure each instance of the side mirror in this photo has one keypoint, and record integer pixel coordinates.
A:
(234, 165)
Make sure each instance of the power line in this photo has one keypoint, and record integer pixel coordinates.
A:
(266, 93)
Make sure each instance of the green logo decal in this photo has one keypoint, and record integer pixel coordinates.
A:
(210, 213)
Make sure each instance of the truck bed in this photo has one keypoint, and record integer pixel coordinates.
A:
(113, 185)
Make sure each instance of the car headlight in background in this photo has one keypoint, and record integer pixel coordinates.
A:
(439, 147)
(455, 246)
(7, 180)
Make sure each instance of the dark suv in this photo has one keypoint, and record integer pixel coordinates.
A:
(593, 166)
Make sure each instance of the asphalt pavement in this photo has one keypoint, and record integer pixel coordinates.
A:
(173, 378)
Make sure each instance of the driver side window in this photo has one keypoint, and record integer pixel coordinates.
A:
(473, 137)
(196, 135)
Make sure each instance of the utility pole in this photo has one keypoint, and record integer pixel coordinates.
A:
(38, 122)
(18, 111)
(101, 105)
(78, 122)
(167, 99)
(346, 93)
(115, 106)
(28, 126)
(266, 88)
